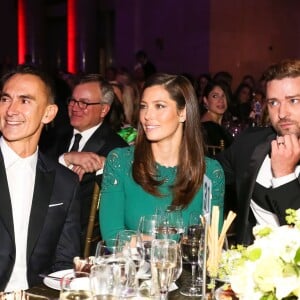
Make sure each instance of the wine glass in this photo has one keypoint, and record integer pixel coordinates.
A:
(178, 268)
(170, 223)
(163, 264)
(114, 278)
(129, 239)
(190, 252)
(75, 285)
(109, 247)
(146, 232)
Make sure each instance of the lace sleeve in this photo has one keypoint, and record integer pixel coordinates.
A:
(112, 201)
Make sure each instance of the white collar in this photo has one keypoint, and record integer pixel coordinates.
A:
(10, 157)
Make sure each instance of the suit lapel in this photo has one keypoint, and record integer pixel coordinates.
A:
(44, 182)
(97, 140)
(257, 158)
(5, 202)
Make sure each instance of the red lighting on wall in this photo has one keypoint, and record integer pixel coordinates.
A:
(21, 31)
(71, 35)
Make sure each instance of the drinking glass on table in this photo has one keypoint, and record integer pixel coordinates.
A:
(147, 230)
(129, 239)
(190, 252)
(170, 225)
(75, 285)
(163, 264)
(109, 247)
(114, 278)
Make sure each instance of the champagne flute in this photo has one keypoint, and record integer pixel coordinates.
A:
(163, 264)
(190, 249)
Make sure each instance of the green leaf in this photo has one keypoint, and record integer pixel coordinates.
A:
(254, 254)
(297, 257)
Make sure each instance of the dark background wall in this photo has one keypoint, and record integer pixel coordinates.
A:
(193, 36)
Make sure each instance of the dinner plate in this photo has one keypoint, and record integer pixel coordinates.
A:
(54, 283)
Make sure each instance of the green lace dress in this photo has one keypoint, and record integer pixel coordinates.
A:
(123, 201)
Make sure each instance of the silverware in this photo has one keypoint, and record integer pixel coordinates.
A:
(50, 276)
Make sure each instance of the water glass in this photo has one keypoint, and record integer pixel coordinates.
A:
(75, 285)
(114, 276)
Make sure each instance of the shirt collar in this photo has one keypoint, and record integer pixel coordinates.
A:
(10, 157)
(86, 134)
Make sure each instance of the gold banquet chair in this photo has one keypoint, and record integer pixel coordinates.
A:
(93, 224)
(213, 150)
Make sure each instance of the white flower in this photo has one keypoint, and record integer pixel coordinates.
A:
(271, 265)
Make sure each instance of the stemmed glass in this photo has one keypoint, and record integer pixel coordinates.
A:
(111, 247)
(190, 252)
(75, 285)
(163, 264)
(146, 232)
(130, 240)
(170, 223)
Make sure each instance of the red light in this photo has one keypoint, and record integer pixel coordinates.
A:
(21, 32)
(71, 35)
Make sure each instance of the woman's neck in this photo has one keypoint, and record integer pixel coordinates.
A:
(210, 116)
(165, 154)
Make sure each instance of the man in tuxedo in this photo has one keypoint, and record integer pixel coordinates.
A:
(39, 207)
(264, 162)
(88, 106)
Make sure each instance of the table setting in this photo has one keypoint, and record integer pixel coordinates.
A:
(267, 269)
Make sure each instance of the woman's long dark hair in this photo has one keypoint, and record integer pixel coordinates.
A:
(191, 164)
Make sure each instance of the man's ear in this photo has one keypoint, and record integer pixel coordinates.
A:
(104, 110)
(50, 113)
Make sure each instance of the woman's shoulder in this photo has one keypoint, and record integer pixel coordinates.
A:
(213, 168)
(121, 154)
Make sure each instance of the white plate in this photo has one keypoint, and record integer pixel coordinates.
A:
(54, 283)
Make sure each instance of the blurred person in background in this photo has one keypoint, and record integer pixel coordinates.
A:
(215, 98)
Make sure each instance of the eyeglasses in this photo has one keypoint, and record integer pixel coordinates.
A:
(82, 104)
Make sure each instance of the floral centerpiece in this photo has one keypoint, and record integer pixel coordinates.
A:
(269, 269)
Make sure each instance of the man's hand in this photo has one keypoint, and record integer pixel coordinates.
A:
(285, 155)
(88, 162)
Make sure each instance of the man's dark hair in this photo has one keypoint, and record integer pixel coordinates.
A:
(36, 71)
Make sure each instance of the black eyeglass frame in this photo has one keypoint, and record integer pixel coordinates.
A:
(82, 104)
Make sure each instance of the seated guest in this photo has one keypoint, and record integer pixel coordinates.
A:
(215, 98)
(166, 165)
(88, 107)
(39, 207)
(263, 163)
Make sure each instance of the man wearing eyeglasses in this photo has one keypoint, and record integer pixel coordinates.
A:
(88, 106)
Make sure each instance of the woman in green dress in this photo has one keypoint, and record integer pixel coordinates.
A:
(167, 163)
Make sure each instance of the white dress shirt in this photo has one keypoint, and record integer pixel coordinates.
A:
(85, 137)
(266, 179)
(21, 178)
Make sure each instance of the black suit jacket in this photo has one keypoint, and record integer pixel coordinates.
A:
(103, 140)
(241, 163)
(54, 225)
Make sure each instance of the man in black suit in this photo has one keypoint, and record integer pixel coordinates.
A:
(39, 207)
(264, 162)
(88, 106)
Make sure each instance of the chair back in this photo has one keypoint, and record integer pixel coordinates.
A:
(213, 150)
(92, 235)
